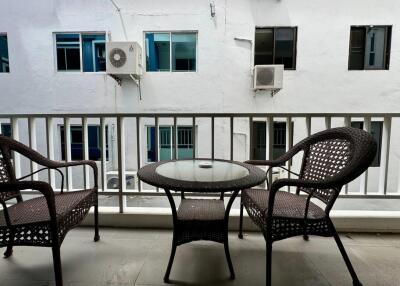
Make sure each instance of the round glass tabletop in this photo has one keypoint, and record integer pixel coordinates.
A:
(202, 171)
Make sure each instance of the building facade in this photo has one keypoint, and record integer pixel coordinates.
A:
(198, 57)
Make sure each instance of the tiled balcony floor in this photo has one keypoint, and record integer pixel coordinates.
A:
(139, 257)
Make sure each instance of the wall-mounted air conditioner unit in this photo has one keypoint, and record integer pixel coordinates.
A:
(124, 59)
(113, 182)
(268, 77)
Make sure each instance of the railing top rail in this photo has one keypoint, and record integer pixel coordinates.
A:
(185, 114)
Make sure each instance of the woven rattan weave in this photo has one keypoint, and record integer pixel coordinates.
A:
(331, 159)
(45, 220)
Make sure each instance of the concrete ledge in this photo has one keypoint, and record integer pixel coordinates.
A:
(345, 221)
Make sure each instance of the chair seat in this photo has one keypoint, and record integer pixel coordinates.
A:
(201, 210)
(286, 205)
(36, 210)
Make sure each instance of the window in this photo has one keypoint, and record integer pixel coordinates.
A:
(4, 62)
(77, 142)
(376, 131)
(71, 46)
(370, 47)
(6, 129)
(259, 140)
(171, 51)
(184, 143)
(276, 46)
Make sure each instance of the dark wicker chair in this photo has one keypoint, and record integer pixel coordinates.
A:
(331, 159)
(42, 221)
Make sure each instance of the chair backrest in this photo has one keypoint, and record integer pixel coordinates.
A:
(337, 156)
(6, 169)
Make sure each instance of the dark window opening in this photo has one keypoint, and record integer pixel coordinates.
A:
(4, 61)
(94, 144)
(370, 47)
(259, 140)
(376, 131)
(6, 130)
(275, 46)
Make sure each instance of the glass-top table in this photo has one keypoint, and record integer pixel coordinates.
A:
(201, 219)
(202, 170)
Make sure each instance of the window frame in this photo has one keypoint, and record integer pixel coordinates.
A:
(170, 32)
(295, 30)
(80, 33)
(387, 49)
(254, 144)
(8, 52)
(170, 127)
(79, 128)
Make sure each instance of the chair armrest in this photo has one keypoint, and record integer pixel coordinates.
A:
(276, 163)
(40, 186)
(329, 183)
(41, 160)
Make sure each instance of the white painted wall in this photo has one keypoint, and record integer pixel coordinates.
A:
(222, 83)
(223, 80)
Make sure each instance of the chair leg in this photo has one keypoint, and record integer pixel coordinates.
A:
(9, 251)
(240, 234)
(228, 259)
(269, 262)
(345, 256)
(170, 262)
(57, 265)
(96, 223)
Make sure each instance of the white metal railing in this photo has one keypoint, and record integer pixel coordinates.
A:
(129, 144)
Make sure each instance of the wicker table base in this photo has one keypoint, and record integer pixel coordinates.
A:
(200, 219)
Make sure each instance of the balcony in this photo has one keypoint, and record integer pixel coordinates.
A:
(369, 204)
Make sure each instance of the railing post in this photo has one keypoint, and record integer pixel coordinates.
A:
(270, 144)
(33, 145)
(85, 148)
(174, 135)
(347, 123)
(212, 137)
(251, 133)
(328, 122)
(383, 170)
(67, 151)
(289, 144)
(50, 148)
(308, 125)
(194, 136)
(138, 150)
(156, 138)
(16, 155)
(231, 137)
(103, 142)
(364, 176)
(121, 161)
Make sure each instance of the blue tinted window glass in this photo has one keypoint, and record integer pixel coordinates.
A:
(4, 62)
(68, 52)
(158, 52)
(151, 144)
(184, 51)
(77, 143)
(94, 52)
